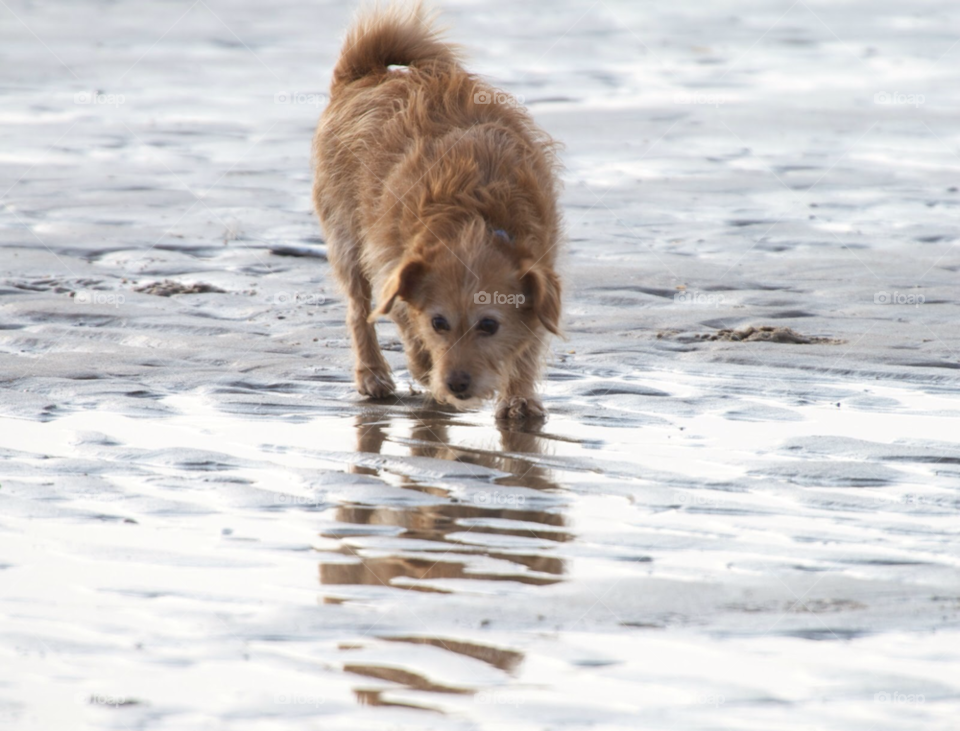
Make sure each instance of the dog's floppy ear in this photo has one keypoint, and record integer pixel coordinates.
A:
(402, 283)
(541, 286)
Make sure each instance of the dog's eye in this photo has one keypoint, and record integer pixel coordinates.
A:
(488, 326)
(440, 324)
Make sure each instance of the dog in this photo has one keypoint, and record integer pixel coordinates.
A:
(438, 193)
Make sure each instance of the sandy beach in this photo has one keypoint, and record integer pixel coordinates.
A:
(741, 514)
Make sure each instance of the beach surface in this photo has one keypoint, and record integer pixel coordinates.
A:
(741, 514)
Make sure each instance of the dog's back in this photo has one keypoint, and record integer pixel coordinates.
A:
(358, 140)
(426, 125)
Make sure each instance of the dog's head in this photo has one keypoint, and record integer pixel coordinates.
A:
(476, 307)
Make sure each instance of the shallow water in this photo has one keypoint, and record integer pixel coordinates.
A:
(202, 526)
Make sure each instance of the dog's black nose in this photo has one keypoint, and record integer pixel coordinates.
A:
(458, 382)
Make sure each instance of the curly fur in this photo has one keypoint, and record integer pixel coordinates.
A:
(419, 173)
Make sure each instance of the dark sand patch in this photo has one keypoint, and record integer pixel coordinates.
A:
(768, 334)
(168, 288)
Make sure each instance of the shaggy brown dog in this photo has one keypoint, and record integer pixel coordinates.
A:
(439, 193)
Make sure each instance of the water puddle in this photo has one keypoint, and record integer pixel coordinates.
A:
(403, 500)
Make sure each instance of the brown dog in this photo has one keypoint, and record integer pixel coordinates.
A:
(439, 193)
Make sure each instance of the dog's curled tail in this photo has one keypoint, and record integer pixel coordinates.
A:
(398, 35)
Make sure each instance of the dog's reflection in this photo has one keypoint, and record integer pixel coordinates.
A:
(449, 533)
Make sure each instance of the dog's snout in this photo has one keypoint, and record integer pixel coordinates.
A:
(458, 382)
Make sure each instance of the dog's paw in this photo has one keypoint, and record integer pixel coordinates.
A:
(375, 384)
(518, 407)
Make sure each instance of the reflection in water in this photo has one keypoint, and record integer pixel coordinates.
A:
(412, 680)
(368, 697)
(445, 524)
(499, 658)
(494, 537)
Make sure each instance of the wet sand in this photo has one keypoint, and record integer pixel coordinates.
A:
(202, 525)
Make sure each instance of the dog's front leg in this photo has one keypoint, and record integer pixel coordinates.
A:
(519, 400)
(372, 372)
